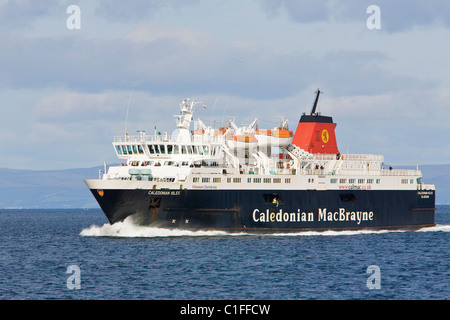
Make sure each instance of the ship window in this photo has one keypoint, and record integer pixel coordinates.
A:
(342, 180)
(351, 180)
(404, 181)
(162, 148)
(205, 179)
(196, 179)
(411, 181)
(189, 148)
(333, 180)
(287, 180)
(205, 150)
(276, 180)
(135, 149)
(347, 197)
(129, 150)
(237, 180)
(360, 181)
(169, 149)
(317, 135)
(140, 150)
(124, 149)
(176, 149)
(256, 180)
(200, 150)
(151, 148)
(217, 180)
(266, 180)
(183, 150)
(378, 181)
(119, 151)
(228, 180)
(369, 181)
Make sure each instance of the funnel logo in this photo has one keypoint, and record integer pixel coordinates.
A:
(100, 193)
(325, 136)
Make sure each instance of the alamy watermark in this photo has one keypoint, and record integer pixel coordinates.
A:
(73, 22)
(74, 280)
(374, 20)
(374, 280)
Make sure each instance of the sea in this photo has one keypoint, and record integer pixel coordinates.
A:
(75, 254)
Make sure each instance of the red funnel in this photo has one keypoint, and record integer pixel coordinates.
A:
(315, 133)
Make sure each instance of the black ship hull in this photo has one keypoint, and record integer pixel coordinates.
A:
(271, 210)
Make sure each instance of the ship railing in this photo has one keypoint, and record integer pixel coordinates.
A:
(424, 186)
(353, 157)
(140, 138)
(362, 157)
(396, 172)
(163, 138)
(399, 172)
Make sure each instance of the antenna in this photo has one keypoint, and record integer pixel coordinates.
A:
(126, 118)
(313, 111)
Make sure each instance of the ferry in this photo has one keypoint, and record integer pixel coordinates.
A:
(257, 180)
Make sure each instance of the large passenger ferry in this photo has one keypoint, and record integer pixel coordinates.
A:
(251, 179)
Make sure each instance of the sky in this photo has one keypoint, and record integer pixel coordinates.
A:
(72, 80)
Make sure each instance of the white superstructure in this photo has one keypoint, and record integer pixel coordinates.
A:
(242, 158)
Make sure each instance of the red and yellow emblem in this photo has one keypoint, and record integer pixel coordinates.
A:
(325, 136)
(100, 193)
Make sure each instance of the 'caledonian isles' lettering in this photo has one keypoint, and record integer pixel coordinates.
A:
(322, 215)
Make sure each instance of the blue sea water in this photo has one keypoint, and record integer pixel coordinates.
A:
(38, 249)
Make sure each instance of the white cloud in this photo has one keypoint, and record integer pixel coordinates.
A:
(63, 90)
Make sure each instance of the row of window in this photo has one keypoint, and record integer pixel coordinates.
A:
(168, 149)
(239, 180)
(354, 181)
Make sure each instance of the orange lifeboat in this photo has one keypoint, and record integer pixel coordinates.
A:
(242, 141)
(282, 132)
(246, 138)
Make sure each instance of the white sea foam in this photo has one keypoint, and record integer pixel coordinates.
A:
(438, 227)
(129, 229)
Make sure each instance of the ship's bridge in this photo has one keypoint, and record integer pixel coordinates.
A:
(160, 147)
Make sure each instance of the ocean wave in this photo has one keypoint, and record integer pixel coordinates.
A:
(129, 229)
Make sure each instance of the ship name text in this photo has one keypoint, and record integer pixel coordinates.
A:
(322, 215)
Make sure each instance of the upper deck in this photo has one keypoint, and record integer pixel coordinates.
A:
(236, 154)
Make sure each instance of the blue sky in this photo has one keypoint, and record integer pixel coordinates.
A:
(65, 92)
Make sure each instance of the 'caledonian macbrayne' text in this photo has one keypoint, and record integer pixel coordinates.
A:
(321, 215)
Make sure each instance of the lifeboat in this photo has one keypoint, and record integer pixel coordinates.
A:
(242, 141)
(282, 137)
(278, 137)
(264, 137)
